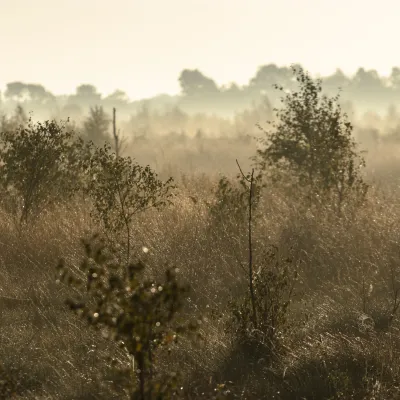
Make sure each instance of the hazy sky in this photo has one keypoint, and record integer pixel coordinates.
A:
(141, 46)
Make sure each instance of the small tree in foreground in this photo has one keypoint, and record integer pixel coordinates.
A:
(39, 162)
(121, 188)
(137, 313)
(312, 140)
(261, 312)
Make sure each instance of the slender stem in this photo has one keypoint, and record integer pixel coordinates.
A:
(253, 302)
(251, 273)
(142, 377)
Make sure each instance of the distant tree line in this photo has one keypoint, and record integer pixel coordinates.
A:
(200, 93)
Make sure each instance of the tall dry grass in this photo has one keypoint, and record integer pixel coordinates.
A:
(341, 341)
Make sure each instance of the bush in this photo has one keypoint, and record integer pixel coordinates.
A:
(273, 285)
(312, 139)
(121, 188)
(40, 164)
(138, 314)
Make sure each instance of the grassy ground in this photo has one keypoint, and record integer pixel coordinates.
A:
(339, 342)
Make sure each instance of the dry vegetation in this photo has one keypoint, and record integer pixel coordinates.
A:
(340, 337)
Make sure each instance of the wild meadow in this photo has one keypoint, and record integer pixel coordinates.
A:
(264, 265)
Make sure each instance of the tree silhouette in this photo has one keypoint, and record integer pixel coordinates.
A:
(193, 82)
(336, 80)
(86, 95)
(394, 79)
(369, 81)
(86, 90)
(269, 75)
(118, 99)
(15, 91)
(96, 126)
(19, 91)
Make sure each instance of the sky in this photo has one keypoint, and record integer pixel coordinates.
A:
(141, 46)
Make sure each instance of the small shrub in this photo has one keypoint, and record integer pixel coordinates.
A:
(138, 314)
(273, 286)
(120, 189)
(40, 164)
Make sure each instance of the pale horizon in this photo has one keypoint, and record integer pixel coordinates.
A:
(141, 47)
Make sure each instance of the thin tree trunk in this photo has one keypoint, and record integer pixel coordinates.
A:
(250, 242)
(115, 135)
(251, 286)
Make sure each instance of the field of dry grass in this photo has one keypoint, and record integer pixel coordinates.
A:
(339, 342)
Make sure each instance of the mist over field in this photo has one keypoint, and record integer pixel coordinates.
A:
(199, 200)
(217, 114)
(365, 90)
